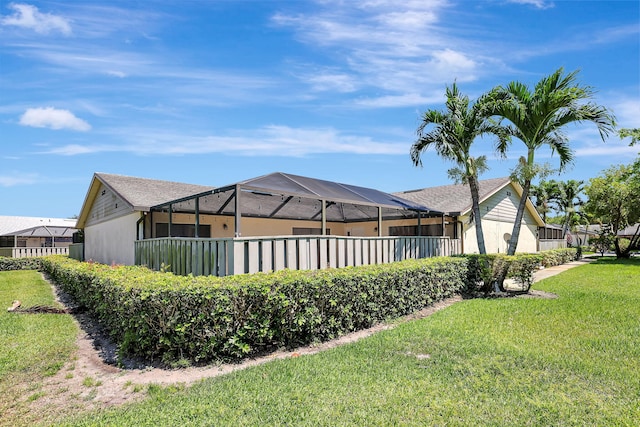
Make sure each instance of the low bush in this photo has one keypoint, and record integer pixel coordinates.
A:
(12, 264)
(485, 270)
(558, 256)
(160, 315)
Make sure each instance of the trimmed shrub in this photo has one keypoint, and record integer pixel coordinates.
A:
(522, 267)
(558, 256)
(484, 270)
(160, 315)
(10, 264)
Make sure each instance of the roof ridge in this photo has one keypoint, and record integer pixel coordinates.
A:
(505, 178)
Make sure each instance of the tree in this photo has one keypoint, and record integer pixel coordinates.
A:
(633, 133)
(605, 239)
(537, 118)
(567, 200)
(614, 198)
(451, 133)
(544, 194)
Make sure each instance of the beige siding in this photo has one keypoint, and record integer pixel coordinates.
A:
(106, 206)
(112, 241)
(502, 206)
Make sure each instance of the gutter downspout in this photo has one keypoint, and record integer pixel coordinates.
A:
(197, 233)
(238, 214)
(324, 217)
(138, 222)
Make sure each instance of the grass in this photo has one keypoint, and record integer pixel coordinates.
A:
(570, 361)
(32, 346)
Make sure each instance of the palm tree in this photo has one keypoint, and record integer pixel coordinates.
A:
(544, 193)
(451, 133)
(567, 199)
(538, 117)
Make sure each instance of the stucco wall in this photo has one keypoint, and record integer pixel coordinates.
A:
(112, 241)
(498, 215)
(496, 237)
(251, 227)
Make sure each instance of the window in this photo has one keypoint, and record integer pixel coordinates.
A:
(6, 241)
(182, 230)
(412, 230)
(308, 231)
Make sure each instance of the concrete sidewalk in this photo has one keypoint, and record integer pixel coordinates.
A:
(557, 269)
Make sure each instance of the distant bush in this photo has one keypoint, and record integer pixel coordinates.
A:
(10, 264)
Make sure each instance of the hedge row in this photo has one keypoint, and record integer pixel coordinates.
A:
(485, 270)
(11, 264)
(209, 318)
(200, 319)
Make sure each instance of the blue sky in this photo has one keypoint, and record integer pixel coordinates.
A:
(216, 91)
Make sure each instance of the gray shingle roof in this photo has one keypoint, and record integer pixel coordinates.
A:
(139, 193)
(16, 225)
(456, 198)
(142, 193)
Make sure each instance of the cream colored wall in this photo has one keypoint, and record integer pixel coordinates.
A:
(112, 241)
(496, 237)
(250, 227)
(498, 215)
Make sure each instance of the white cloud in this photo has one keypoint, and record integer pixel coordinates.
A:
(386, 45)
(399, 100)
(540, 4)
(272, 140)
(119, 74)
(608, 150)
(340, 82)
(53, 118)
(28, 16)
(627, 112)
(18, 178)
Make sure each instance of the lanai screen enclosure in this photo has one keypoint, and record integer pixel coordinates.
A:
(292, 197)
(286, 221)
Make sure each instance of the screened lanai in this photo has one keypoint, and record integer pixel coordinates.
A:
(284, 196)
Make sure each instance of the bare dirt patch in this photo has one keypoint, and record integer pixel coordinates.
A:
(93, 379)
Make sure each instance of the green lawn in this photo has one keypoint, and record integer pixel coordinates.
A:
(32, 346)
(570, 361)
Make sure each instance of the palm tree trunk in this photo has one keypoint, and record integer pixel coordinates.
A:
(565, 226)
(513, 242)
(475, 199)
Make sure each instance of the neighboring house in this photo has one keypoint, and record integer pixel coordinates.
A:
(19, 233)
(114, 210)
(550, 237)
(630, 232)
(499, 200)
(118, 210)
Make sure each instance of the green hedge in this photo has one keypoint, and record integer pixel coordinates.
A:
(484, 270)
(160, 315)
(558, 256)
(163, 316)
(10, 264)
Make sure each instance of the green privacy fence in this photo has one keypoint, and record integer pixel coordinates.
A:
(223, 257)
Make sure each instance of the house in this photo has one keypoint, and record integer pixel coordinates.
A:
(22, 236)
(552, 236)
(114, 209)
(499, 199)
(120, 210)
(631, 232)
